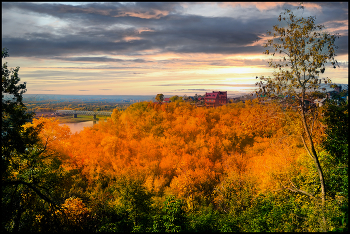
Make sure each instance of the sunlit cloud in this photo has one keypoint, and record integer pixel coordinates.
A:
(147, 48)
(264, 6)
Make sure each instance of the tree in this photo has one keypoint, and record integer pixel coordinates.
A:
(13, 116)
(304, 50)
(336, 117)
(24, 170)
(176, 98)
(196, 97)
(174, 218)
(160, 97)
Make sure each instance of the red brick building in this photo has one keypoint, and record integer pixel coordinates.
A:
(215, 99)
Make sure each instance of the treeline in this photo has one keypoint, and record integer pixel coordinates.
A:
(53, 105)
(175, 167)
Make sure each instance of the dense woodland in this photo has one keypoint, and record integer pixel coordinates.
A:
(176, 167)
(165, 167)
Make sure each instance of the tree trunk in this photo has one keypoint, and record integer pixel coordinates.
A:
(316, 161)
(315, 157)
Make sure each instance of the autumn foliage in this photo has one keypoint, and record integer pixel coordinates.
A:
(183, 150)
(227, 158)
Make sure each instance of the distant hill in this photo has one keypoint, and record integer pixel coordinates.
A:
(87, 98)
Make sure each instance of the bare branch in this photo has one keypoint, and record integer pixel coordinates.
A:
(296, 190)
(307, 149)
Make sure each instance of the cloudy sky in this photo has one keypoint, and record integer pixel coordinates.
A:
(146, 48)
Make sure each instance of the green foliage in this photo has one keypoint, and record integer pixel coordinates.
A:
(131, 209)
(336, 118)
(30, 175)
(15, 140)
(160, 97)
(279, 212)
(176, 98)
(17, 156)
(206, 219)
(336, 161)
(174, 215)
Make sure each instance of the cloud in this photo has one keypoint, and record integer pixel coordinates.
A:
(149, 41)
(176, 33)
(97, 13)
(343, 45)
(98, 59)
(165, 29)
(203, 84)
(193, 90)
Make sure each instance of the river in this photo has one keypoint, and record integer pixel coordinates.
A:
(77, 127)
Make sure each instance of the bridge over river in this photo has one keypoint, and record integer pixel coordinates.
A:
(76, 113)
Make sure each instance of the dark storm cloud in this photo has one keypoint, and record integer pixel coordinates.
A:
(332, 11)
(97, 28)
(343, 45)
(99, 59)
(170, 33)
(70, 46)
(194, 38)
(198, 34)
(97, 13)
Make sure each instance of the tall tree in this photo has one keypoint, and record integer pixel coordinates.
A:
(22, 166)
(13, 115)
(303, 49)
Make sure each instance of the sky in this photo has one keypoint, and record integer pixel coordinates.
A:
(146, 48)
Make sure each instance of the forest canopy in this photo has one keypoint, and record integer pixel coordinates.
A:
(218, 166)
(169, 167)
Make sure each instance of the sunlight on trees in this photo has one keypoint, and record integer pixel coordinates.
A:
(303, 50)
(169, 167)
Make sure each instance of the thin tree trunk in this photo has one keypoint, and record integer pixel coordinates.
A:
(315, 158)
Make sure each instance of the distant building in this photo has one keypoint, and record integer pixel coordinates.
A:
(215, 99)
(166, 100)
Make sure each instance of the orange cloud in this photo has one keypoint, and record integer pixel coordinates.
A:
(263, 6)
(155, 14)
